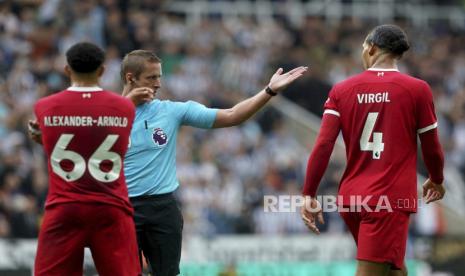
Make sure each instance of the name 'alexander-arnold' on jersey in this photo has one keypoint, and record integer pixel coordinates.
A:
(77, 121)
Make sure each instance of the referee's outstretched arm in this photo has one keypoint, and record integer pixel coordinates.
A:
(246, 108)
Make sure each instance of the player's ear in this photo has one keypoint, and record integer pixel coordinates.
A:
(372, 49)
(67, 70)
(100, 70)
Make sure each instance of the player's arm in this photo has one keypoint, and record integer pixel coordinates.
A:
(321, 153)
(433, 156)
(431, 148)
(245, 109)
(316, 167)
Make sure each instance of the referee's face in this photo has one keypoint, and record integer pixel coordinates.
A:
(150, 76)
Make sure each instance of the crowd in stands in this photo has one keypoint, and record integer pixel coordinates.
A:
(217, 61)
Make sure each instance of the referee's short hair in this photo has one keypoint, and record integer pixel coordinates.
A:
(134, 62)
(85, 57)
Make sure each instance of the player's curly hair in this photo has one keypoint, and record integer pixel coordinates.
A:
(85, 57)
(390, 38)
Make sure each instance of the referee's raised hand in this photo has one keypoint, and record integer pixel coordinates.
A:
(140, 95)
(279, 81)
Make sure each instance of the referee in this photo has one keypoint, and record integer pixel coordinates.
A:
(150, 162)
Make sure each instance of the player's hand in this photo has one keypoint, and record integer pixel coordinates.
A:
(279, 81)
(34, 131)
(310, 212)
(141, 95)
(432, 191)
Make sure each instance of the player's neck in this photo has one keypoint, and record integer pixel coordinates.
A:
(84, 79)
(384, 62)
(84, 83)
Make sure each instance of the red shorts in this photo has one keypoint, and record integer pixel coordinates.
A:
(380, 236)
(107, 230)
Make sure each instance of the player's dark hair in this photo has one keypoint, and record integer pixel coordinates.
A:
(134, 62)
(85, 57)
(390, 38)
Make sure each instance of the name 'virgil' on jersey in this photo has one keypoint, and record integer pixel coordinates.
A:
(382, 97)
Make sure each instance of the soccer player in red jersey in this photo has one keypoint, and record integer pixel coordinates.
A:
(85, 134)
(380, 113)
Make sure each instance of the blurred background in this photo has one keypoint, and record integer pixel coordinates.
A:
(219, 52)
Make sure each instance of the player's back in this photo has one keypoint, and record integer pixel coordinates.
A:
(85, 133)
(381, 113)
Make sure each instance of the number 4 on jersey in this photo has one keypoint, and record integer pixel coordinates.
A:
(377, 146)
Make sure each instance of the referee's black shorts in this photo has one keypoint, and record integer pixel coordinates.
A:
(159, 226)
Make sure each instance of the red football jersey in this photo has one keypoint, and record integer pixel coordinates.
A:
(381, 113)
(85, 134)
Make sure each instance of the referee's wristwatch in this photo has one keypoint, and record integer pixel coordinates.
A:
(270, 92)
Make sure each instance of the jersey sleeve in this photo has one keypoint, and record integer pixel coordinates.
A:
(36, 111)
(131, 109)
(330, 106)
(197, 115)
(433, 155)
(321, 153)
(425, 114)
(38, 106)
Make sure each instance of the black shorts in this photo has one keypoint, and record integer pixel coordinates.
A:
(159, 224)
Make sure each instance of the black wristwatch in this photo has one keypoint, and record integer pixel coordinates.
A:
(270, 92)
